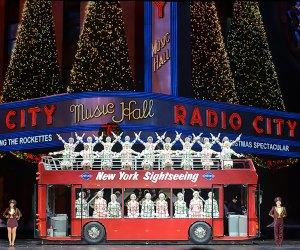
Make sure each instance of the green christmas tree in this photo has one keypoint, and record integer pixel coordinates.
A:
(251, 62)
(211, 75)
(102, 61)
(33, 69)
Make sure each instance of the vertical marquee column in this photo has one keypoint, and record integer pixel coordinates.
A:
(160, 39)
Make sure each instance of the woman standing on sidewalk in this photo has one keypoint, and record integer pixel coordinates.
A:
(12, 214)
(278, 212)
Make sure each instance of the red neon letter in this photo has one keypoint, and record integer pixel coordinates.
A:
(235, 117)
(257, 119)
(22, 118)
(33, 112)
(269, 126)
(292, 125)
(9, 124)
(279, 122)
(196, 117)
(160, 5)
(223, 120)
(211, 118)
(49, 111)
(179, 114)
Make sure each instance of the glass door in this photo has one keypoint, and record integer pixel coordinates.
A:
(58, 210)
(236, 210)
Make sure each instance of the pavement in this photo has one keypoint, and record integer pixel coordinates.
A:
(257, 245)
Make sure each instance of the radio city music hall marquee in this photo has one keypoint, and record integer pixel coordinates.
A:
(24, 125)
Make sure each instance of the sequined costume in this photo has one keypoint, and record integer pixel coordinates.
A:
(67, 157)
(206, 154)
(161, 207)
(126, 153)
(211, 208)
(100, 208)
(187, 152)
(148, 153)
(81, 206)
(114, 209)
(133, 209)
(71, 144)
(88, 157)
(227, 152)
(147, 210)
(196, 206)
(106, 155)
(180, 207)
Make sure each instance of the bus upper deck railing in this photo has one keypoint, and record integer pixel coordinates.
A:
(56, 163)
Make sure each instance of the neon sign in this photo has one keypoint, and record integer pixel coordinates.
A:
(34, 123)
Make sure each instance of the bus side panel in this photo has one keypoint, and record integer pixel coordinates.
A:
(218, 223)
(147, 229)
(218, 227)
(252, 216)
(42, 215)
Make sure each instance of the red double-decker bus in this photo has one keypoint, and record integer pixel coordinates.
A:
(60, 192)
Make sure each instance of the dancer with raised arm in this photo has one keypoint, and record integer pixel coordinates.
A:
(127, 153)
(206, 153)
(88, 157)
(68, 153)
(167, 152)
(89, 141)
(149, 152)
(67, 157)
(71, 143)
(107, 154)
(227, 152)
(187, 152)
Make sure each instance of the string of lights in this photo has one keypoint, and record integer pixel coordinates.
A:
(28, 157)
(267, 162)
(211, 74)
(102, 60)
(33, 69)
(251, 62)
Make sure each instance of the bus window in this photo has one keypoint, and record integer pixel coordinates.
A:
(194, 203)
(147, 203)
(98, 203)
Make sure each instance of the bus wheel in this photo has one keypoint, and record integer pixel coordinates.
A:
(93, 233)
(200, 233)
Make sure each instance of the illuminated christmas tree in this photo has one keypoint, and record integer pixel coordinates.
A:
(102, 61)
(33, 69)
(211, 74)
(251, 62)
